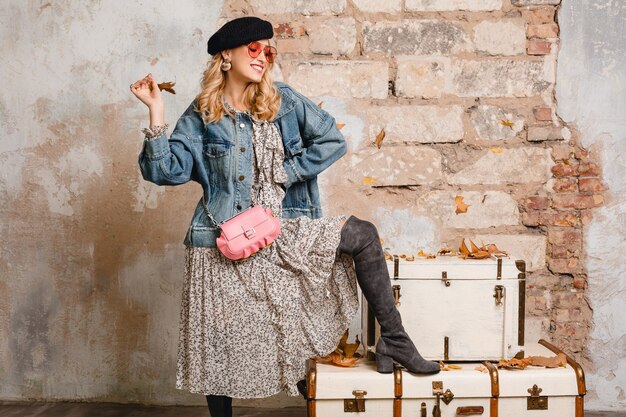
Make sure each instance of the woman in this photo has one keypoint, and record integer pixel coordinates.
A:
(246, 328)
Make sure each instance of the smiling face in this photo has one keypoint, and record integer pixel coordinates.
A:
(244, 67)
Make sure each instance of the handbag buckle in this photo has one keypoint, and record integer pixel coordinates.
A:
(249, 233)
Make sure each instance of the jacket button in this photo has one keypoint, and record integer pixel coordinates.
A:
(238, 207)
(241, 178)
(242, 125)
(243, 149)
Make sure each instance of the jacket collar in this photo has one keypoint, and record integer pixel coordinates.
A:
(286, 104)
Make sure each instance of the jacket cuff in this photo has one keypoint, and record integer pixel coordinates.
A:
(157, 148)
(292, 173)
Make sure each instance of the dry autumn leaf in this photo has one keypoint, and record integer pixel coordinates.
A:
(379, 138)
(461, 207)
(337, 359)
(481, 369)
(506, 122)
(344, 354)
(320, 104)
(495, 149)
(340, 125)
(513, 364)
(167, 86)
(463, 249)
(493, 250)
(368, 180)
(446, 251)
(410, 258)
(560, 360)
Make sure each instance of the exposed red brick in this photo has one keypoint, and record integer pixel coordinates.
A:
(564, 236)
(538, 47)
(580, 283)
(581, 153)
(543, 113)
(590, 184)
(565, 251)
(288, 30)
(537, 202)
(540, 15)
(560, 152)
(586, 216)
(564, 184)
(568, 299)
(588, 169)
(530, 219)
(558, 251)
(544, 30)
(565, 201)
(559, 218)
(566, 168)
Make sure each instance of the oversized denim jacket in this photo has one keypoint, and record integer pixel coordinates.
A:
(218, 155)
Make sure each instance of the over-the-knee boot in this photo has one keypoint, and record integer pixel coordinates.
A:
(360, 239)
(220, 405)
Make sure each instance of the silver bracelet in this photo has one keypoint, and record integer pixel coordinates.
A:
(154, 132)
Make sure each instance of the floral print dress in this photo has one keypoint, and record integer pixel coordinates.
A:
(247, 328)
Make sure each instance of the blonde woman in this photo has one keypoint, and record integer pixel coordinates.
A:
(247, 328)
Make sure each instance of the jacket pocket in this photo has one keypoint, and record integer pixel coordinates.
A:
(217, 159)
(294, 146)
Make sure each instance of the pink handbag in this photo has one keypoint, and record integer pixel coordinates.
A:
(246, 233)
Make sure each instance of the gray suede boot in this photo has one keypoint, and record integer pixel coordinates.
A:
(359, 238)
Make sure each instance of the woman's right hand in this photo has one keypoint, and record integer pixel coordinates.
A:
(147, 90)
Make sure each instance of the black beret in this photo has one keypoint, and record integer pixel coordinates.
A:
(239, 31)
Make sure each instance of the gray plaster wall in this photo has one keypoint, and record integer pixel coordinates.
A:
(591, 94)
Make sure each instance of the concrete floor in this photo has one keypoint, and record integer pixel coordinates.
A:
(65, 409)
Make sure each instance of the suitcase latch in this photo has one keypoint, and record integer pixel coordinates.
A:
(446, 397)
(396, 294)
(498, 294)
(444, 278)
(535, 401)
(356, 404)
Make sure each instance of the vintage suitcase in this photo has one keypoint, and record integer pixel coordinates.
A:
(456, 309)
(333, 391)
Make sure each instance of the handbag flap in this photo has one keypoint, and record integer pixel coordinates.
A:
(253, 218)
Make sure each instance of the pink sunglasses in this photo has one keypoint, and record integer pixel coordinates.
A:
(255, 48)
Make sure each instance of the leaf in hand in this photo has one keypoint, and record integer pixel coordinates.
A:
(167, 86)
(380, 137)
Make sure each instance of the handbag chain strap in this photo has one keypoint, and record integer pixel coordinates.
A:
(206, 209)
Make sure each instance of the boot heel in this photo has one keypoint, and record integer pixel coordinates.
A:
(384, 363)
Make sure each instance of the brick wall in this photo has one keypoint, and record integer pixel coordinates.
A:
(464, 90)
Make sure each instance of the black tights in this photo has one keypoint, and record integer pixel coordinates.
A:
(220, 405)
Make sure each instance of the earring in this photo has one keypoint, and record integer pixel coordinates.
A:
(226, 65)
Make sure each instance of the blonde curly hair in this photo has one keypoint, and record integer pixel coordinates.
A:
(262, 98)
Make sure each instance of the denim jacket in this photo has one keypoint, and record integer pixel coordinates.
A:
(218, 155)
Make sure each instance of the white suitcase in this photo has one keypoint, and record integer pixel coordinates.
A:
(333, 391)
(456, 309)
